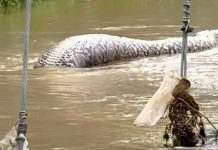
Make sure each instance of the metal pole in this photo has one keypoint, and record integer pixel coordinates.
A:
(186, 29)
(22, 127)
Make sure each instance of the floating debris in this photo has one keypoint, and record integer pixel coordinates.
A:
(186, 127)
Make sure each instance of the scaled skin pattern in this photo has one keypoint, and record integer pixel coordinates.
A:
(98, 49)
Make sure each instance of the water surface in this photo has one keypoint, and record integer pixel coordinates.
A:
(85, 109)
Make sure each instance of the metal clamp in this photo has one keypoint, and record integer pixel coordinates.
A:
(186, 29)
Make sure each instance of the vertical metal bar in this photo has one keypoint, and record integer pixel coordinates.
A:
(21, 132)
(184, 57)
(23, 100)
(186, 29)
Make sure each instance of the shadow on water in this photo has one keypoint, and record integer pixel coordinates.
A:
(94, 108)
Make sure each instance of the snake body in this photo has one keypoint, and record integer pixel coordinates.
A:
(97, 49)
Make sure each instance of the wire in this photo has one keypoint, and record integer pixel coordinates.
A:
(22, 127)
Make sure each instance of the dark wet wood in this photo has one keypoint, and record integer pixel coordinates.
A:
(183, 85)
(184, 117)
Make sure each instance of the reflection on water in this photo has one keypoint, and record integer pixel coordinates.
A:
(94, 108)
(135, 27)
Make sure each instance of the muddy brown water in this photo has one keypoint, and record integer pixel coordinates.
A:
(93, 109)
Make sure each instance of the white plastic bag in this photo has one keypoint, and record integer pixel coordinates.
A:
(157, 105)
(9, 141)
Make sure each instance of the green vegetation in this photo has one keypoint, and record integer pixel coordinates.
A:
(7, 6)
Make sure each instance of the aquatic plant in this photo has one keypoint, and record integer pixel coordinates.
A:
(7, 6)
